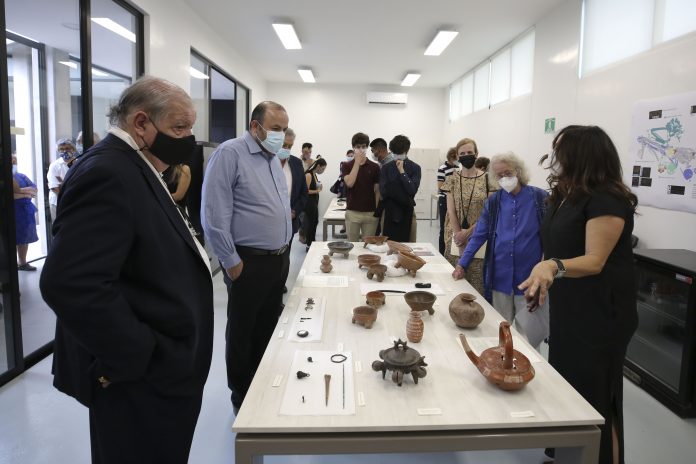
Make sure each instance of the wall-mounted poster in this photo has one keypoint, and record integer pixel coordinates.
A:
(663, 152)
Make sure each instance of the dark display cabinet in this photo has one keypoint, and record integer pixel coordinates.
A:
(661, 356)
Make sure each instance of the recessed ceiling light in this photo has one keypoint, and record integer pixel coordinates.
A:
(115, 27)
(69, 64)
(286, 34)
(440, 42)
(306, 75)
(196, 74)
(410, 79)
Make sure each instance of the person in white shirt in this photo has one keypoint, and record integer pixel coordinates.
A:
(57, 171)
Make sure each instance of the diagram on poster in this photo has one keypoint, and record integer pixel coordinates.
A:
(663, 153)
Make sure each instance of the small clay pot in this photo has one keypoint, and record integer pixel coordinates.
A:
(368, 260)
(395, 247)
(374, 240)
(465, 311)
(375, 299)
(377, 271)
(365, 316)
(414, 327)
(420, 300)
(409, 261)
(326, 266)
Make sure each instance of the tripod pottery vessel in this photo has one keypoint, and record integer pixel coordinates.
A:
(367, 260)
(375, 299)
(401, 360)
(409, 261)
(374, 240)
(503, 366)
(365, 316)
(377, 271)
(395, 247)
(465, 311)
(342, 248)
(420, 300)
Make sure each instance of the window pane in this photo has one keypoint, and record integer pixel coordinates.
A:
(223, 113)
(113, 56)
(199, 94)
(614, 30)
(680, 18)
(242, 116)
(500, 77)
(455, 100)
(481, 83)
(522, 60)
(467, 100)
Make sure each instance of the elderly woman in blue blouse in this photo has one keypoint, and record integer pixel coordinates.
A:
(510, 225)
(24, 191)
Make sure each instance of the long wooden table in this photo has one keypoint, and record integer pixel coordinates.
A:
(335, 215)
(473, 414)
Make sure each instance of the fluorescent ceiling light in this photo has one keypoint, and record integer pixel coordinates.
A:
(196, 74)
(440, 42)
(96, 72)
(306, 75)
(286, 34)
(410, 79)
(69, 64)
(115, 27)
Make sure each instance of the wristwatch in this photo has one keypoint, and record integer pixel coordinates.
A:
(561, 268)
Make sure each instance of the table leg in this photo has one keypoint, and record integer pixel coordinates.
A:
(325, 230)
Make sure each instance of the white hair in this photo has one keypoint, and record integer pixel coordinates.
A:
(512, 160)
(152, 95)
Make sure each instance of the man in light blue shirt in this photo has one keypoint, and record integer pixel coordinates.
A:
(246, 218)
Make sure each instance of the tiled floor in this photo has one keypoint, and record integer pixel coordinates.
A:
(39, 425)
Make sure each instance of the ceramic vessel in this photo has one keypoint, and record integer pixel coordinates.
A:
(465, 311)
(367, 260)
(503, 366)
(414, 327)
(326, 264)
(409, 261)
(395, 247)
(375, 299)
(401, 360)
(342, 248)
(365, 316)
(377, 271)
(420, 300)
(374, 240)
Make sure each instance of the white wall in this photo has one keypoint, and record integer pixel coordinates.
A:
(604, 98)
(172, 28)
(328, 115)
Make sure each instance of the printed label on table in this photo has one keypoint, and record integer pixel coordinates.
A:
(429, 411)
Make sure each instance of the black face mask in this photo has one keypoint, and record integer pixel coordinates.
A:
(171, 150)
(467, 161)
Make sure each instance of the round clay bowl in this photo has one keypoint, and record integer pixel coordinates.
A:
(409, 261)
(395, 247)
(368, 260)
(340, 247)
(365, 316)
(420, 300)
(378, 271)
(375, 299)
(374, 240)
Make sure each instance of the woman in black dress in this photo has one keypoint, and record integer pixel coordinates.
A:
(588, 274)
(312, 208)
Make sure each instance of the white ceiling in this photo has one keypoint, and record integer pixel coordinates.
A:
(369, 41)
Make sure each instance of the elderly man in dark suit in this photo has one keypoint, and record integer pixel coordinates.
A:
(130, 285)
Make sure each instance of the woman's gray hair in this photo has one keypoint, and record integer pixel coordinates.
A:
(153, 95)
(512, 160)
(289, 132)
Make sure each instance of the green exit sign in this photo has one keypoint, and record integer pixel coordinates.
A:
(549, 125)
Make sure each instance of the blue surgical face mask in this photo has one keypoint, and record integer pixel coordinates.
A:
(14, 169)
(400, 157)
(283, 153)
(79, 148)
(274, 140)
(66, 155)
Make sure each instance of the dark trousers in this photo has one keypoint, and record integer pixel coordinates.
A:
(253, 307)
(310, 222)
(442, 207)
(130, 422)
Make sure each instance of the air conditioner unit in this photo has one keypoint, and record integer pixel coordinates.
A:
(387, 98)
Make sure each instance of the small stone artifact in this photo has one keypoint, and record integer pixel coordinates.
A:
(342, 248)
(414, 327)
(503, 366)
(465, 311)
(326, 266)
(374, 240)
(395, 247)
(377, 271)
(409, 261)
(367, 260)
(401, 360)
(420, 300)
(365, 316)
(375, 299)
